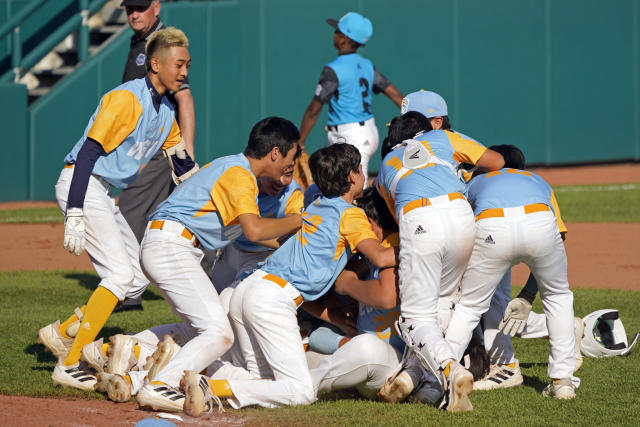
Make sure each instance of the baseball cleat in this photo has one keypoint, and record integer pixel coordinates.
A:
(501, 376)
(160, 397)
(94, 357)
(121, 354)
(72, 376)
(198, 394)
(578, 327)
(560, 389)
(166, 349)
(398, 387)
(115, 386)
(53, 341)
(460, 386)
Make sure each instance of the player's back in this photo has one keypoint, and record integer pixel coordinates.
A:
(355, 84)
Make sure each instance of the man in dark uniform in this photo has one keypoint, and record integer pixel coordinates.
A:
(154, 184)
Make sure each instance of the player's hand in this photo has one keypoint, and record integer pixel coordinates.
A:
(74, 240)
(515, 317)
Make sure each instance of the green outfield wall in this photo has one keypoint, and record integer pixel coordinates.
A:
(557, 78)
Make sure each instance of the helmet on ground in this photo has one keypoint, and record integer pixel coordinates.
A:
(604, 335)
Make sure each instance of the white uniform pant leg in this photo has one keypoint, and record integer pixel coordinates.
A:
(536, 326)
(173, 263)
(498, 345)
(443, 247)
(110, 243)
(488, 264)
(548, 262)
(269, 316)
(364, 138)
(244, 348)
(365, 362)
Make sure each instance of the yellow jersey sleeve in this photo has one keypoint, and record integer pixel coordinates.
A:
(295, 203)
(174, 136)
(355, 227)
(234, 194)
(391, 241)
(117, 117)
(556, 209)
(465, 150)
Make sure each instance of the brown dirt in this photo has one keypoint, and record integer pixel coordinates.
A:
(19, 411)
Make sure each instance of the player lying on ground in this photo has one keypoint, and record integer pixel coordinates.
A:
(132, 122)
(517, 221)
(209, 211)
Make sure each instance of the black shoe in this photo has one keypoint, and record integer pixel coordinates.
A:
(128, 307)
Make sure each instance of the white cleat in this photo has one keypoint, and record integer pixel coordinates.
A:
(94, 357)
(166, 349)
(560, 389)
(198, 394)
(121, 354)
(578, 327)
(398, 387)
(53, 341)
(500, 376)
(160, 397)
(115, 386)
(460, 386)
(72, 376)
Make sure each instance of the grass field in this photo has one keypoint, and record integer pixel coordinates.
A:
(609, 391)
(578, 203)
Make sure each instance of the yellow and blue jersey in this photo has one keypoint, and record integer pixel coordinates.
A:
(312, 259)
(210, 202)
(355, 84)
(507, 188)
(380, 322)
(399, 184)
(129, 130)
(289, 200)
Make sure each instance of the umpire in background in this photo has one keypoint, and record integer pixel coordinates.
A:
(154, 184)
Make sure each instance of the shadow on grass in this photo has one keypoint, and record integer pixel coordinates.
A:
(90, 281)
(42, 355)
(534, 382)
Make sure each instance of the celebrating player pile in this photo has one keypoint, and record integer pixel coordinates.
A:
(389, 284)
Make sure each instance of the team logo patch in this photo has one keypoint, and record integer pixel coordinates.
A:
(490, 240)
(140, 59)
(404, 106)
(419, 230)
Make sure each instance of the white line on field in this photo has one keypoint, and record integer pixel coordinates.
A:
(612, 187)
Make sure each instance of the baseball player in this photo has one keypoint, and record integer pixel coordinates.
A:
(131, 123)
(263, 306)
(346, 84)
(210, 210)
(517, 221)
(420, 179)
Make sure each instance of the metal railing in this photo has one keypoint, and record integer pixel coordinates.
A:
(77, 21)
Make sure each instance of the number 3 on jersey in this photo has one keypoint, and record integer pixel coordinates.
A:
(365, 94)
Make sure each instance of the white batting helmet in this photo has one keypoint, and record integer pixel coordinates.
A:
(604, 335)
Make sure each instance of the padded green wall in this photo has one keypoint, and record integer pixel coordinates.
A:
(557, 78)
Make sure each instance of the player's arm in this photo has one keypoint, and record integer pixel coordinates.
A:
(309, 119)
(176, 151)
(327, 85)
(470, 151)
(491, 160)
(379, 293)
(356, 229)
(336, 316)
(256, 228)
(187, 118)
(380, 256)
(383, 85)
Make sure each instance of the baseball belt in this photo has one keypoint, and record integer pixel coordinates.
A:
(284, 285)
(430, 201)
(160, 224)
(499, 213)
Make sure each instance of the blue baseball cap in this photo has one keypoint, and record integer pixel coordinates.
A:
(428, 103)
(355, 26)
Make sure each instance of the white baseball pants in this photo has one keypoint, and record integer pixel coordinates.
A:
(364, 137)
(111, 245)
(535, 240)
(264, 319)
(435, 245)
(173, 263)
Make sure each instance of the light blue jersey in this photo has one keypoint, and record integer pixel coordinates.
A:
(289, 200)
(313, 258)
(442, 151)
(209, 203)
(130, 132)
(355, 85)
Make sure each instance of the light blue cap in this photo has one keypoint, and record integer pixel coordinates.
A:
(428, 103)
(355, 26)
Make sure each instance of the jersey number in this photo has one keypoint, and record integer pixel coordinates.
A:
(309, 226)
(385, 325)
(365, 93)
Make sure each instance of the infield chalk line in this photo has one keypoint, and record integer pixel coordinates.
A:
(612, 187)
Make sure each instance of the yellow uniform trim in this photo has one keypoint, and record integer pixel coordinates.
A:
(354, 228)
(395, 163)
(556, 210)
(282, 283)
(309, 226)
(499, 212)
(232, 195)
(466, 150)
(426, 202)
(117, 117)
(174, 136)
(519, 172)
(295, 203)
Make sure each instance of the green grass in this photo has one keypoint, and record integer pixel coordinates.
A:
(599, 203)
(31, 215)
(609, 392)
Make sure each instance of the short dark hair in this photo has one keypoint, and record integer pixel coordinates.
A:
(271, 132)
(404, 127)
(376, 208)
(446, 124)
(330, 167)
(513, 156)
